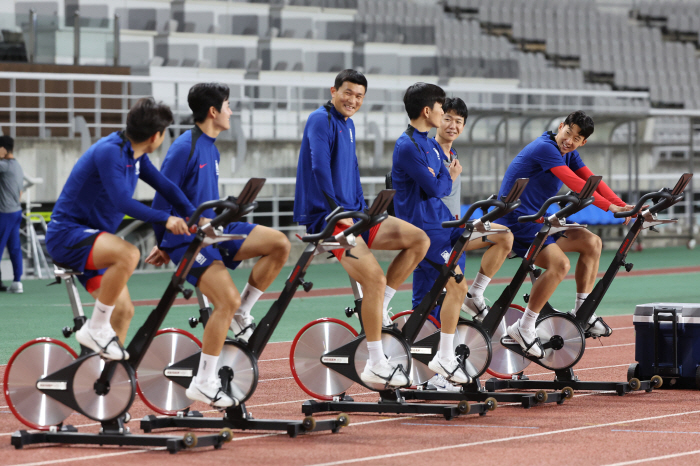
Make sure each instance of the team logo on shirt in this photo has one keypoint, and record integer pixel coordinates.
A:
(437, 153)
(200, 259)
(138, 167)
(350, 131)
(90, 230)
(445, 255)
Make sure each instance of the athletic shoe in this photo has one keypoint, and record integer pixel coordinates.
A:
(475, 307)
(451, 369)
(385, 373)
(386, 318)
(210, 392)
(439, 383)
(530, 343)
(242, 326)
(103, 341)
(16, 287)
(597, 327)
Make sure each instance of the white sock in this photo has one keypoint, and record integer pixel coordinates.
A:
(580, 298)
(527, 321)
(249, 296)
(101, 315)
(446, 349)
(376, 352)
(479, 285)
(388, 294)
(207, 367)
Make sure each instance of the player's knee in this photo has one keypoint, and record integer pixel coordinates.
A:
(422, 243)
(374, 277)
(561, 267)
(595, 244)
(460, 288)
(128, 311)
(131, 256)
(282, 246)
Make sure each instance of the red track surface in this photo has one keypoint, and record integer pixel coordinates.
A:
(600, 429)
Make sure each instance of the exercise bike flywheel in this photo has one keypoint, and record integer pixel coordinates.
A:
(565, 338)
(32, 361)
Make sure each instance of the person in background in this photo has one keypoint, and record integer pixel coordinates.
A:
(11, 180)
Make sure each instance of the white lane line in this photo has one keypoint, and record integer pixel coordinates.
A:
(501, 440)
(278, 359)
(609, 346)
(271, 380)
(92, 457)
(585, 369)
(623, 328)
(656, 458)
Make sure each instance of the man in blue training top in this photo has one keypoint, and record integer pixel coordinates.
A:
(422, 179)
(192, 163)
(551, 161)
(92, 204)
(328, 176)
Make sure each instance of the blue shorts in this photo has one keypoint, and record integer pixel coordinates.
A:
(424, 276)
(210, 254)
(524, 234)
(70, 245)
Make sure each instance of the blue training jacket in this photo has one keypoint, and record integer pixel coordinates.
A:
(192, 163)
(327, 173)
(100, 188)
(419, 193)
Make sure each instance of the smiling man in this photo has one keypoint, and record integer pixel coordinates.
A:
(192, 163)
(550, 161)
(328, 176)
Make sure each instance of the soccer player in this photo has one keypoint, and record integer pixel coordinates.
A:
(328, 176)
(192, 163)
(550, 161)
(92, 204)
(498, 246)
(422, 177)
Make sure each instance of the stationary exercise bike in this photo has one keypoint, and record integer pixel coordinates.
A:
(479, 341)
(45, 380)
(412, 342)
(563, 335)
(170, 372)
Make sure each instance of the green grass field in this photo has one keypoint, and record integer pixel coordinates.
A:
(42, 311)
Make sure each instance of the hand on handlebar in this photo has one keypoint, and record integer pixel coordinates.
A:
(203, 221)
(158, 257)
(626, 208)
(345, 221)
(177, 226)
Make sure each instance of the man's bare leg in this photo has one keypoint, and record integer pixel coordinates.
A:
(553, 259)
(449, 311)
(272, 247)
(112, 302)
(393, 235)
(217, 285)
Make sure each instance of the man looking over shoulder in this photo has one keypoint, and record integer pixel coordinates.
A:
(550, 161)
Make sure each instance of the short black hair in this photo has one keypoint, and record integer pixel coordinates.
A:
(457, 105)
(8, 143)
(351, 76)
(204, 96)
(421, 95)
(146, 118)
(582, 120)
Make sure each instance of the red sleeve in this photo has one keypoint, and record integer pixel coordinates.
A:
(575, 183)
(603, 189)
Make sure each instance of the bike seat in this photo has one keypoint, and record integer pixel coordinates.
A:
(61, 270)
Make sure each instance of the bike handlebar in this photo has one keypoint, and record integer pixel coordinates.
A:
(503, 206)
(663, 196)
(227, 204)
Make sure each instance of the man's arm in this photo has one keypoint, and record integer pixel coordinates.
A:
(584, 173)
(170, 191)
(414, 163)
(574, 183)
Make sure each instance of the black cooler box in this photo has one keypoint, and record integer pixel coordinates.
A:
(667, 344)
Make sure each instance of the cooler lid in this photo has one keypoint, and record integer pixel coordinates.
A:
(685, 310)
